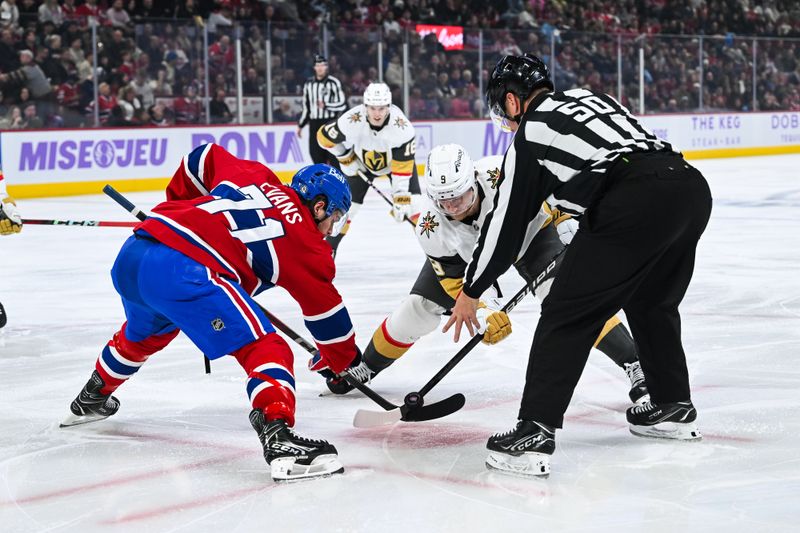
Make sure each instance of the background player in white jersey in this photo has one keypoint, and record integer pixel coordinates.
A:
(10, 222)
(459, 195)
(376, 139)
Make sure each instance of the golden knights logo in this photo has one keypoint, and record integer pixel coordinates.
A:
(355, 117)
(428, 224)
(400, 123)
(494, 175)
(375, 161)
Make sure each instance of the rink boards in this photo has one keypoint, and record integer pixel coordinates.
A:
(66, 162)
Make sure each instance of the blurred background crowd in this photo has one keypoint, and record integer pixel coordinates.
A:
(155, 62)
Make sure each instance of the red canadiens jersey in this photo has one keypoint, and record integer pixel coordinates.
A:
(236, 217)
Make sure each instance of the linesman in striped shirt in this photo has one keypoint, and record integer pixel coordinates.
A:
(323, 101)
(642, 209)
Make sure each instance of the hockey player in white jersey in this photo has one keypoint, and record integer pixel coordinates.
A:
(374, 139)
(459, 196)
(10, 223)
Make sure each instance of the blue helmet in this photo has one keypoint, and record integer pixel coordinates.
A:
(326, 180)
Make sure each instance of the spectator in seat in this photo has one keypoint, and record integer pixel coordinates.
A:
(8, 55)
(13, 119)
(31, 119)
(187, 108)
(50, 11)
(284, 113)
(251, 85)
(29, 75)
(9, 14)
(158, 115)
(219, 110)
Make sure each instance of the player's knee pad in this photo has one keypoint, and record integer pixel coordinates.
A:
(415, 318)
(270, 378)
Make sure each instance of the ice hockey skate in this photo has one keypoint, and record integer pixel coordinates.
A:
(290, 456)
(91, 405)
(674, 420)
(523, 451)
(638, 393)
(361, 372)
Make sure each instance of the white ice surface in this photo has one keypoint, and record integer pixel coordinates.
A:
(180, 455)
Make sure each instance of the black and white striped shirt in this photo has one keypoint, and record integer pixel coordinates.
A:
(329, 91)
(565, 143)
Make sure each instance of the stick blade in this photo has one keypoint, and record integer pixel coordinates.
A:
(370, 419)
(435, 410)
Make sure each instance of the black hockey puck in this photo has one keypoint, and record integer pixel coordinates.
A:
(414, 399)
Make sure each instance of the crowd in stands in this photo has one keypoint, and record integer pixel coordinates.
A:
(151, 69)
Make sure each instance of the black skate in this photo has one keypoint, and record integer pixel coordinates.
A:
(291, 456)
(361, 372)
(3, 317)
(638, 393)
(523, 451)
(91, 405)
(664, 421)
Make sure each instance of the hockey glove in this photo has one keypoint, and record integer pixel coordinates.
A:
(401, 206)
(10, 221)
(495, 324)
(567, 229)
(350, 164)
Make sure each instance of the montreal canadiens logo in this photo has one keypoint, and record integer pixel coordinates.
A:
(103, 154)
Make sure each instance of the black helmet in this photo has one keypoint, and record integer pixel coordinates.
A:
(519, 75)
(319, 58)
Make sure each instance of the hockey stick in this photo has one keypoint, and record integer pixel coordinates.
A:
(416, 400)
(94, 223)
(382, 195)
(126, 204)
(415, 414)
(428, 412)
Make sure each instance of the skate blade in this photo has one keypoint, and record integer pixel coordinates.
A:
(668, 430)
(76, 420)
(527, 465)
(286, 468)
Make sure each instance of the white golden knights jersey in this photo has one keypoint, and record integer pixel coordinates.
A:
(449, 243)
(388, 149)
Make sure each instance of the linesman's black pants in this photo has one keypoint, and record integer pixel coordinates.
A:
(634, 251)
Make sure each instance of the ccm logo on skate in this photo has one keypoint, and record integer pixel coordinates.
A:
(529, 441)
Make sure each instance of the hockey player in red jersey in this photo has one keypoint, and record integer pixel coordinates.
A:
(229, 230)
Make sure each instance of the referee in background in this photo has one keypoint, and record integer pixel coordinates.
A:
(642, 210)
(323, 101)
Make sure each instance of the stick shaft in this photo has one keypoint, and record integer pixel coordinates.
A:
(382, 195)
(511, 304)
(89, 223)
